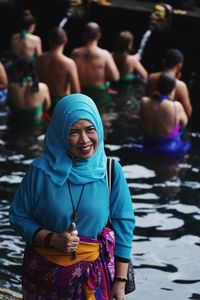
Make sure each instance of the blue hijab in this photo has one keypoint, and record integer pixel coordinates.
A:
(56, 161)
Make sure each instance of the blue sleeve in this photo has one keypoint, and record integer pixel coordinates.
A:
(21, 210)
(122, 214)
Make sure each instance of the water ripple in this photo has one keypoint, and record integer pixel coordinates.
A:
(137, 171)
(191, 184)
(13, 178)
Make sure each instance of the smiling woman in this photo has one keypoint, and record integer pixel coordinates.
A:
(61, 210)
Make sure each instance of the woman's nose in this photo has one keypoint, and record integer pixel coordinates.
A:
(84, 137)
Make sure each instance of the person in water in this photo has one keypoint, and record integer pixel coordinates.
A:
(162, 117)
(3, 83)
(96, 66)
(62, 207)
(173, 64)
(27, 98)
(128, 64)
(26, 43)
(57, 70)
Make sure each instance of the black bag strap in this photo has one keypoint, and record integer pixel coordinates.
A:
(110, 176)
(110, 173)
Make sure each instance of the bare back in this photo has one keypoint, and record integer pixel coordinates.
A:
(128, 64)
(59, 72)
(159, 118)
(29, 45)
(22, 97)
(95, 65)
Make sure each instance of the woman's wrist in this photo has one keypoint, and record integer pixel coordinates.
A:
(120, 279)
(119, 283)
(121, 271)
(39, 236)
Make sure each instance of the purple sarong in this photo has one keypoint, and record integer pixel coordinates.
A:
(46, 280)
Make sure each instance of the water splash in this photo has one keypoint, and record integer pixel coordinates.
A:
(63, 22)
(143, 42)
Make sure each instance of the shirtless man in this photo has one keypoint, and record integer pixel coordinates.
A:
(57, 70)
(25, 43)
(173, 64)
(95, 65)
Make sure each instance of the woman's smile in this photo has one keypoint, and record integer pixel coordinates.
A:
(86, 149)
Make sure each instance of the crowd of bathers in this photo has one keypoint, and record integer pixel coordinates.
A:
(36, 80)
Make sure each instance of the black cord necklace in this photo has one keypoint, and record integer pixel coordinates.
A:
(75, 210)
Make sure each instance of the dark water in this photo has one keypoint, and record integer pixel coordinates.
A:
(166, 199)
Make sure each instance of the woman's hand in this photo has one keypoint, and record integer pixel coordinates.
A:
(66, 241)
(118, 291)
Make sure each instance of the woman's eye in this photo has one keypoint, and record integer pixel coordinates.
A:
(91, 129)
(72, 133)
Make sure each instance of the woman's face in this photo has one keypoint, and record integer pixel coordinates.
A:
(83, 139)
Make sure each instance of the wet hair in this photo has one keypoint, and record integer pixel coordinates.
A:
(24, 67)
(173, 57)
(123, 41)
(165, 85)
(27, 19)
(91, 31)
(57, 37)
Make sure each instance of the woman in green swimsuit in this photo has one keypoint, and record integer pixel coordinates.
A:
(25, 42)
(128, 64)
(27, 98)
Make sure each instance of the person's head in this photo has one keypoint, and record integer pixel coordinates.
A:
(27, 21)
(173, 58)
(57, 37)
(78, 126)
(165, 86)
(23, 69)
(91, 32)
(124, 42)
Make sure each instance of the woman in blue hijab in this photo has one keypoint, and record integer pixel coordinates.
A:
(62, 207)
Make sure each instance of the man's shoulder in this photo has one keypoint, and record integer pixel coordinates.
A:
(67, 62)
(180, 83)
(103, 51)
(181, 89)
(78, 50)
(154, 75)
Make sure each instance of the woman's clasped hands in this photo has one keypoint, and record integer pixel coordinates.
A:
(66, 241)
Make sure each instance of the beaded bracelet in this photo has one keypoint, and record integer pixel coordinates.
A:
(122, 279)
(47, 239)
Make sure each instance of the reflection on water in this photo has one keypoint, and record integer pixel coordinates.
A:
(166, 199)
